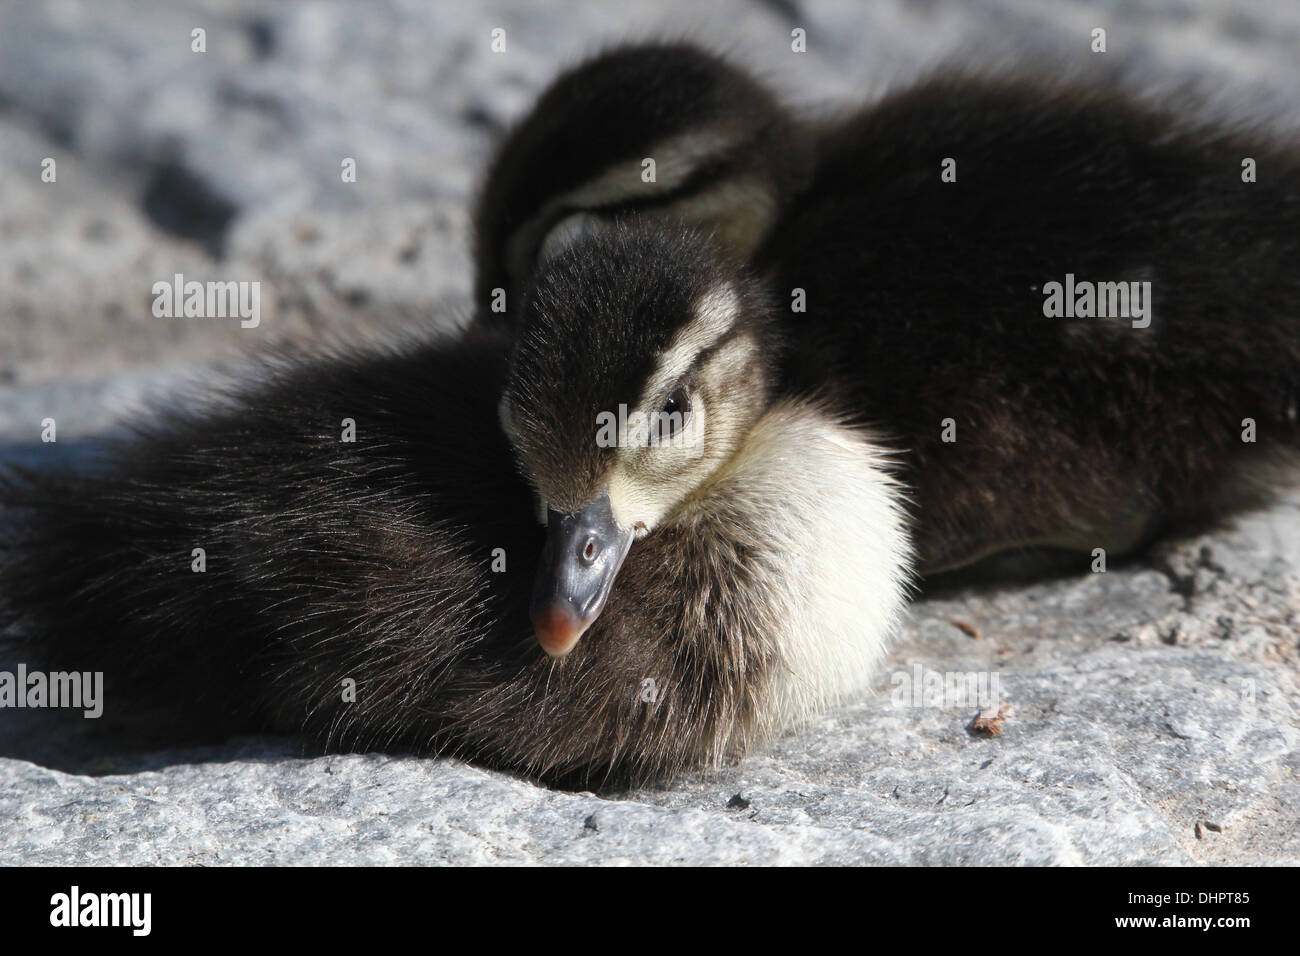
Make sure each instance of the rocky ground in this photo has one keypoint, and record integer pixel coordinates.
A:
(1154, 710)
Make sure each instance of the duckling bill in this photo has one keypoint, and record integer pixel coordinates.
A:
(383, 593)
(584, 552)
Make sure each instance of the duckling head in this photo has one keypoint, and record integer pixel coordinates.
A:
(643, 359)
(662, 130)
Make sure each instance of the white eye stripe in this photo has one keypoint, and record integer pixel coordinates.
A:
(622, 183)
(715, 314)
(675, 160)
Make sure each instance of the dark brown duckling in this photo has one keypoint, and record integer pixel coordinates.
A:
(377, 593)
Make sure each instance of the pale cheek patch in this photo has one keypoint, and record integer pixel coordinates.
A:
(652, 481)
(648, 482)
(635, 504)
(566, 232)
(507, 421)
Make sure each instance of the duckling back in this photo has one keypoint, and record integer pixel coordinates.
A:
(234, 565)
(1083, 328)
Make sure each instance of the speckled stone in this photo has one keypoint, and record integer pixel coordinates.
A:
(1142, 705)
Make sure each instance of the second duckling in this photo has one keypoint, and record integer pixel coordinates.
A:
(1076, 313)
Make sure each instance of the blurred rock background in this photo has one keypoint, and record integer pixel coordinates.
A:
(1155, 707)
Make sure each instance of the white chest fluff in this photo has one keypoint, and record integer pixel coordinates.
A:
(834, 538)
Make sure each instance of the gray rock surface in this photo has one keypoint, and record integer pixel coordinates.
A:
(1154, 710)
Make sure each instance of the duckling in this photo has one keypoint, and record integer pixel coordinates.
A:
(937, 308)
(734, 566)
(929, 250)
(665, 130)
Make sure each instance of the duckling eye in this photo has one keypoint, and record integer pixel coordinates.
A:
(672, 417)
(679, 403)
